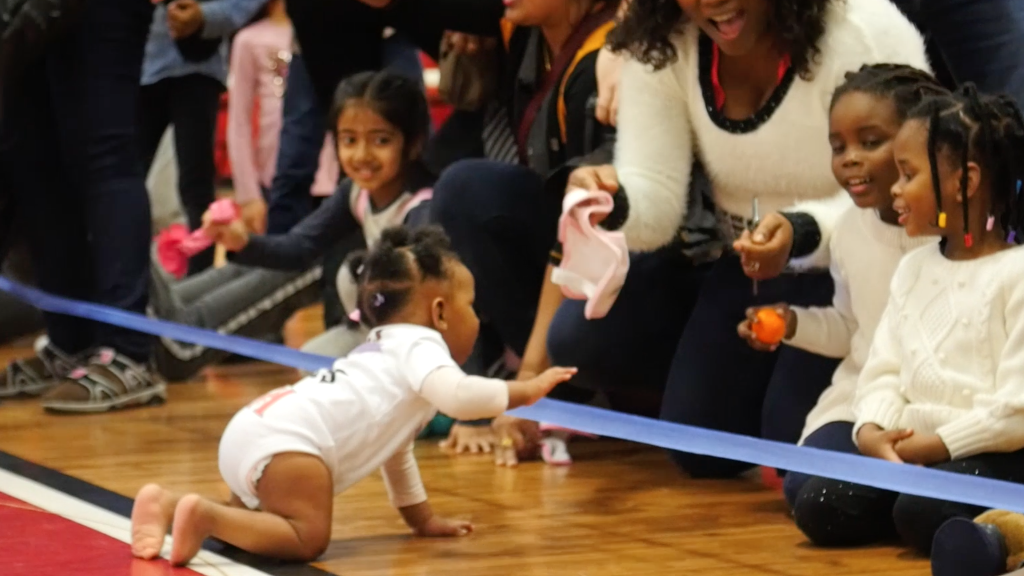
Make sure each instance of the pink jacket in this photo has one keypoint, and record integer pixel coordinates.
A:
(260, 56)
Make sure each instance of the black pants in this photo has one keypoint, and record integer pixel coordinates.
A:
(717, 381)
(68, 151)
(503, 226)
(189, 103)
(835, 513)
(17, 318)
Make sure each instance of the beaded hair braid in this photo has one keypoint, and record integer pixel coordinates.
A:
(989, 129)
(401, 260)
(905, 85)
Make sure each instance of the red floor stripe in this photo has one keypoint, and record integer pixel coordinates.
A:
(38, 543)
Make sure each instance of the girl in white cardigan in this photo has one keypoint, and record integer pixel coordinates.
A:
(866, 246)
(943, 385)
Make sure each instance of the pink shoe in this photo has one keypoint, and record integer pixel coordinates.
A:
(594, 261)
(554, 447)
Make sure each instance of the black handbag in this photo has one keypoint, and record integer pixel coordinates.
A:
(195, 48)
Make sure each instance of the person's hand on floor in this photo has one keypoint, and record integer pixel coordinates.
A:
(466, 438)
(518, 439)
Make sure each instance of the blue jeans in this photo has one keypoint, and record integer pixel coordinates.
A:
(979, 41)
(303, 125)
(75, 170)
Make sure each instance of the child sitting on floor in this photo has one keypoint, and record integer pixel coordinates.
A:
(287, 454)
(381, 123)
(942, 385)
(866, 246)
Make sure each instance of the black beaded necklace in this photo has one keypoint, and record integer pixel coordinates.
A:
(706, 52)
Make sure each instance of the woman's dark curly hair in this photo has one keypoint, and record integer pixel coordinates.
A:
(646, 30)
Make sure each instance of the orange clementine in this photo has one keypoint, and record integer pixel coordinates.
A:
(769, 326)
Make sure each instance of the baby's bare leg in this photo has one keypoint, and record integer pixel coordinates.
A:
(296, 495)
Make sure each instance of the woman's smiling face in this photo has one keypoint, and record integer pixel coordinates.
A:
(734, 25)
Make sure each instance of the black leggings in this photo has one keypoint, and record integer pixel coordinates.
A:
(836, 513)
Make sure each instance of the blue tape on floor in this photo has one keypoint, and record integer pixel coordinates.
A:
(901, 478)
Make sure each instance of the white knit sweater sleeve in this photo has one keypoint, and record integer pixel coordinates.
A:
(653, 152)
(867, 32)
(996, 423)
(879, 399)
(827, 331)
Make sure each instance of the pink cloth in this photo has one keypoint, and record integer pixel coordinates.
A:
(260, 55)
(174, 245)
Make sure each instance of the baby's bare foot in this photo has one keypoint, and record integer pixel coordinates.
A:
(151, 516)
(192, 525)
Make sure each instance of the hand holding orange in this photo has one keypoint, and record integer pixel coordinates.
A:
(768, 326)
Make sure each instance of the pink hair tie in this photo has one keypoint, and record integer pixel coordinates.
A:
(174, 245)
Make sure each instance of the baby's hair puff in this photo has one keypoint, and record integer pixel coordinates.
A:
(388, 274)
(989, 130)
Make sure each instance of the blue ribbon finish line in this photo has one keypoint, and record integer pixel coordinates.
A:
(902, 478)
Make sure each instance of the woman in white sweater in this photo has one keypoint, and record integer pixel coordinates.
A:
(745, 87)
(866, 247)
(943, 385)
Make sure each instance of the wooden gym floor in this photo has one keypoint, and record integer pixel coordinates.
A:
(620, 509)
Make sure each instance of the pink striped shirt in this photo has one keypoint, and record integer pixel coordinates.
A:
(260, 56)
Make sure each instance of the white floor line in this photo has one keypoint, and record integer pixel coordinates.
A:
(107, 522)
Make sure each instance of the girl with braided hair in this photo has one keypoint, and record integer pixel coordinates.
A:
(287, 454)
(865, 249)
(942, 385)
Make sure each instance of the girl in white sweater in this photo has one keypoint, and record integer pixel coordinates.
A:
(943, 385)
(745, 87)
(285, 455)
(867, 245)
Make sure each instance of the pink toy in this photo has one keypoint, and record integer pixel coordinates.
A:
(594, 261)
(174, 245)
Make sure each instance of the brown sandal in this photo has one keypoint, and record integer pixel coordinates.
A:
(36, 375)
(109, 381)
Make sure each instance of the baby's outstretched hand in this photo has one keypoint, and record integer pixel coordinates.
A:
(541, 386)
(437, 527)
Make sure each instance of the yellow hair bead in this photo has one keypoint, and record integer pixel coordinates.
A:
(942, 219)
